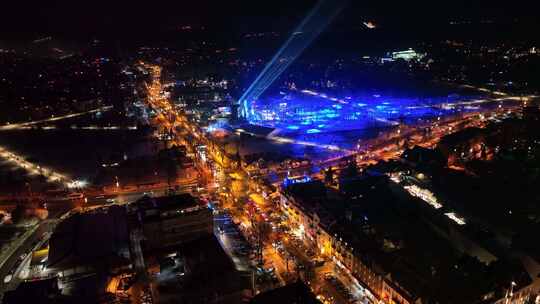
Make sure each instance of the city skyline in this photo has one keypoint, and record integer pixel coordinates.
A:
(310, 152)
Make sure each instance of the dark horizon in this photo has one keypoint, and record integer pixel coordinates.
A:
(126, 21)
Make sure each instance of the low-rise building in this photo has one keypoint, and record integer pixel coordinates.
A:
(172, 220)
(370, 231)
(94, 241)
(301, 202)
(529, 294)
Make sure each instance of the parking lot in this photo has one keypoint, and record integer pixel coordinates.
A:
(233, 241)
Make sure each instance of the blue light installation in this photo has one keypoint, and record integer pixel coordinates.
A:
(299, 180)
(313, 113)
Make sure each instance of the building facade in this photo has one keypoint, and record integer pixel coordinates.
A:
(305, 220)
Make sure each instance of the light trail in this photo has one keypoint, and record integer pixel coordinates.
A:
(89, 128)
(440, 105)
(307, 143)
(475, 102)
(322, 95)
(26, 125)
(310, 28)
(33, 169)
(287, 140)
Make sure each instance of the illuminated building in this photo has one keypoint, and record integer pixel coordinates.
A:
(471, 143)
(303, 203)
(382, 243)
(525, 295)
(424, 194)
(407, 55)
(300, 202)
(456, 218)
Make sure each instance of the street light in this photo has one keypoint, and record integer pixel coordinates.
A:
(77, 184)
(510, 294)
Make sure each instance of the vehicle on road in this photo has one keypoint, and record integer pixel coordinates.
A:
(318, 262)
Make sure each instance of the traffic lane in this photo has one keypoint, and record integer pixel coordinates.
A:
(338, 297)
(358, 292)
(318, 283)
(274, 260)
(124, 198)
(300, 250)
(228, 230)
(46, 226)
(327, 287)
(25, 264)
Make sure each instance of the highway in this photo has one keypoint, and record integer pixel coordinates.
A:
(25, 125)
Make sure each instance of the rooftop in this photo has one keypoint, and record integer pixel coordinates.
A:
(210, 275)
(424, 156)
(40, 291)
(89, 238)
(307, 191)
(387, 233)
(165, 203)
(155, 208)
(461, 136)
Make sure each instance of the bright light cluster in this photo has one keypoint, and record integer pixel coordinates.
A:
(26, 125)
(311, 112)
(77, 184)
(31, 168)
(424, 194)
(456, 218)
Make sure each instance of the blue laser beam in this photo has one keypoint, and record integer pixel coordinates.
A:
(304, 34)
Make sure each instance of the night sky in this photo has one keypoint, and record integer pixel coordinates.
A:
(130, 18)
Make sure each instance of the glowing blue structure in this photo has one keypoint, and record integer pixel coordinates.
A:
(291, 181)
(310, 27)
(309, 112)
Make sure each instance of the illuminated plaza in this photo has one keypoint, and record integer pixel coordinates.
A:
(343, 121)
(312, 112)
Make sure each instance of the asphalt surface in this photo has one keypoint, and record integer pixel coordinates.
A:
(231, 241)
(25, 247)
